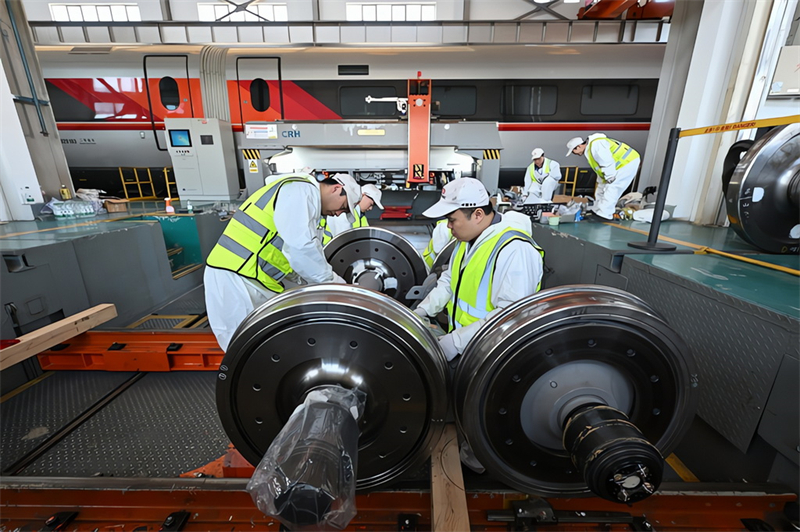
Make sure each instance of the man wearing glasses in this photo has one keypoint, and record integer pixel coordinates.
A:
(273, 242)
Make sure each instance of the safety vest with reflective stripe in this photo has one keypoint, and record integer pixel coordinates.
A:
(620, 152)
(471, 284)
(327, 235)
(429, 255)
(250, 245)
(546, 168)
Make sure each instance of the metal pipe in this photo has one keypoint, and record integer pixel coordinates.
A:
(652, 243)
(27, 69)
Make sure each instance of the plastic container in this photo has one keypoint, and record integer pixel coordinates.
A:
(553, 220)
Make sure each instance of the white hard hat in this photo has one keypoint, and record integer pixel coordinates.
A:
(573, 142)
(464, 193)
(373, 193)
(538, 152)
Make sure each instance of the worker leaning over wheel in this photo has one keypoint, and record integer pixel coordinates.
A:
(541, 178)
(333, 225)
(615, 164)
(272, 243)
(495, 263)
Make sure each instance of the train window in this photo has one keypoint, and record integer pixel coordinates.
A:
(170, 95)
(609, 99)
(259, 95)
(352, 101)
(455, 101)
(530, 100)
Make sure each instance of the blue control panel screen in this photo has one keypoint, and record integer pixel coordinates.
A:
(180, 138)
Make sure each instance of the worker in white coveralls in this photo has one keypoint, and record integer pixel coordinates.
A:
(273, 242)
(495, 263)
(615, 164)
(541, 178)
(333, 225)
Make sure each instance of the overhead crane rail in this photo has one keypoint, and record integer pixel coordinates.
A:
(334, 33)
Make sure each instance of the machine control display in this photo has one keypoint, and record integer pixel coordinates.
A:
(180, 138)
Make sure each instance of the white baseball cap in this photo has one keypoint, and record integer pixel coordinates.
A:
(373, 193)
(464, 193)
(538, 152)
(573, 142)
(353, 192)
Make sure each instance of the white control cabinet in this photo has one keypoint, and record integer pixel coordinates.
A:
(203, 158)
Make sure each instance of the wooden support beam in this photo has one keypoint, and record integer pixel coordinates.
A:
(37, 341)
(448, 498)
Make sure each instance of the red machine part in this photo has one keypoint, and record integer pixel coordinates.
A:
(419, 130)
(611, 9)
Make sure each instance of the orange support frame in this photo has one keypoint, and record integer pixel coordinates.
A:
(136, 351)
(419, 130)
(130, 504)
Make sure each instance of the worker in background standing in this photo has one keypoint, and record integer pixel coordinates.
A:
(440, 237)
(495, 263)
(541, 178)
(615, 164)
(333, 225)
(273, 243)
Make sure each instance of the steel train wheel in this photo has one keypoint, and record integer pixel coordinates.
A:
(368, 256)
(537, 363)
(763, 196)
(336, 334)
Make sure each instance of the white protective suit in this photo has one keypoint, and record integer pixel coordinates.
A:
(231, 297)
(543, 185)
(517, 273)
(607, 194)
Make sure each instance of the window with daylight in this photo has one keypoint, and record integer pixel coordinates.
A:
(95, 12)
(225, 12)
(366, 12)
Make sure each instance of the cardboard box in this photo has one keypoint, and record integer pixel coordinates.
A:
(561, 198)
(116, 205)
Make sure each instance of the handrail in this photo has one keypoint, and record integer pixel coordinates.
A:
(317, 33)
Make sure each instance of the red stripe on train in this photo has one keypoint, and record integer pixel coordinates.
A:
(109, 126)
(238, 128)
(575, 126)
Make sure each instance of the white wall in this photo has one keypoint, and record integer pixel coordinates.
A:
(16, 166)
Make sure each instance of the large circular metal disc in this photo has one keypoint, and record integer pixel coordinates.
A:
(370, 255)
(619, 352)
(762, 197)
(337, 334)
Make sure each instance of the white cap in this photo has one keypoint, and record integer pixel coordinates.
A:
(464, 193)
(575, 141)
(373, 193)
(538, 152)
(353, 192)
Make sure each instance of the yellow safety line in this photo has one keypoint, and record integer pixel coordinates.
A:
(766, 122)
(92, 222)
(705, 249)
(25, 386)
(681, 469)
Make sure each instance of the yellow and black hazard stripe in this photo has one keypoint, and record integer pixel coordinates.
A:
(251, 154)
(491, 154)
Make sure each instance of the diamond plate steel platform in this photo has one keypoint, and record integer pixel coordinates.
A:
(28, 418)
(738, 345)
(164, 425)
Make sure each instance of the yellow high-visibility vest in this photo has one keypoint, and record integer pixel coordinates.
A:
(471, 284)
(545, 167)
(250, 244)
(620, 152)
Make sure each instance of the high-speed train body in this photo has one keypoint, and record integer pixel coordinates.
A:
(110, 105)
